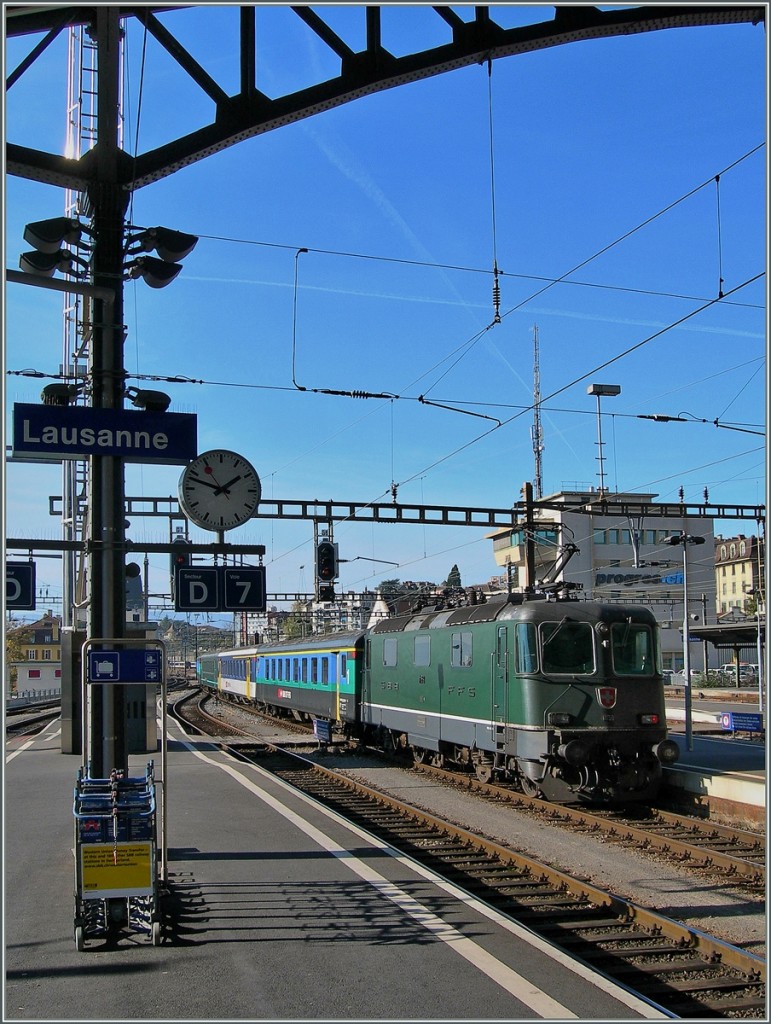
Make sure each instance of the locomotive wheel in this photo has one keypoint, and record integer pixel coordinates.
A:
(530, 788)
(437, 760)
(419, 755)
(483, 771)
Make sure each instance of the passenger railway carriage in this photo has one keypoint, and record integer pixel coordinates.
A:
(315, 678)
(566, 698)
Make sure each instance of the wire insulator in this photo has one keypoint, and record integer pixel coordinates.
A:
(497, 301)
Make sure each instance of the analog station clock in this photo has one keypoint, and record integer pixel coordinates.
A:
(219, 490)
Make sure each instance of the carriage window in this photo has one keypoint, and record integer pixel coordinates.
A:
(567, 647)
(304, 662)
(526, 648)
(295, 670)
(632, 647)
(325, 670)
(280, 667)
(461, 650)
(343, 666)
(389, 651)
(422, 653)
(314, 669)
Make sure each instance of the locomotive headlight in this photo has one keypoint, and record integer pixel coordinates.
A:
(558, 718)
(576, 752)
(667, 751)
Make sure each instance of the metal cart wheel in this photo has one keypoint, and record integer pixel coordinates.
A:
(80, 941)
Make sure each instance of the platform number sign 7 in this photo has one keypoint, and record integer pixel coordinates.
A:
(245, 589)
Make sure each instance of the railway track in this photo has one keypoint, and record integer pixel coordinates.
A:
(731, 853)
(681, 970)
(721, 851)
(30, 721)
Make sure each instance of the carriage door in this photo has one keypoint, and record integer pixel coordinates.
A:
(500, 676)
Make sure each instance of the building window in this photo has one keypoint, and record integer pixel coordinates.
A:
(742, 548)
(31, 655)
(722, 551)
(599, 536)
(46, 655)
(733, 551)
(34, 673)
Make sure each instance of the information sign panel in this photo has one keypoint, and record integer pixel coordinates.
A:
(120, 869)
(20, 585)
(131, 665)
(50, 432)
(197, 590)
(244, 589)
(742, 721)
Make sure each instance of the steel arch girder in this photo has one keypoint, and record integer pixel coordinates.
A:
(250, 113)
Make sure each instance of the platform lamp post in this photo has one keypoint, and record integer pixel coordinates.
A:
(685, 539)
(600, 390)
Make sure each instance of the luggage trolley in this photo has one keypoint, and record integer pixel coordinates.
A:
(116, 870)
(119, 864)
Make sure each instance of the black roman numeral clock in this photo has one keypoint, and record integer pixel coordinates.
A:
(219, 490)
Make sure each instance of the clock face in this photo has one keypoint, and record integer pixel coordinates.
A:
(219, 490)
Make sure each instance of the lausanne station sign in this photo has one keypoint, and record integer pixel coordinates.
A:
(52, 433)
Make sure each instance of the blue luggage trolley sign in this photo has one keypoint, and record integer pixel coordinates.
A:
(132, 665)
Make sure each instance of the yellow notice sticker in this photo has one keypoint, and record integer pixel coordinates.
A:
(125, 866)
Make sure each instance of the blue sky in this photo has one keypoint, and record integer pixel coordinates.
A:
(404, 212)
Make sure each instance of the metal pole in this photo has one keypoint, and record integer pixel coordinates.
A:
(599, 447)
(107, 575)
(686, 651)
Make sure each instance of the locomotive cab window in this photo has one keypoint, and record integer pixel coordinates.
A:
(632, 647)
(567, 647)
(461, 650)
(526, 647)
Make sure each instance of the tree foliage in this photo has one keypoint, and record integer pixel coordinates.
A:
(453, 578)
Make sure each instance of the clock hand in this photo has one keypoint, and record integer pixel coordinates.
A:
(226, 487)
(206, 483)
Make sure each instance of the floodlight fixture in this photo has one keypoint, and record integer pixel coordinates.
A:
(49, 235)
(155, 273)
(599, 390)
(604, 389)
(45, 264)
(170, 245)
(149, 401)
(60, 394)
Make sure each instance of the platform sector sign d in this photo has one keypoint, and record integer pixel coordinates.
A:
(20, 585)
(197, 590)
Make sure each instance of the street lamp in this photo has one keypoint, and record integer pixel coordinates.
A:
(599, 390)
(685, 539)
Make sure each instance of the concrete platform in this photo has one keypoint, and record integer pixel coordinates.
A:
(275, 909)
(730, 772)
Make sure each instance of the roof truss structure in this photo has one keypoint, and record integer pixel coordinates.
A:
(250, 112)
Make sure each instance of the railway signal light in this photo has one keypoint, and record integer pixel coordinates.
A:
(326, 561)
(326, 592)
(180, 559)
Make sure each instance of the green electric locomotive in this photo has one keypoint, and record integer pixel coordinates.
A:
(566, 698)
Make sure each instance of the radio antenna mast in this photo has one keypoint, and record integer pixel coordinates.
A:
(535, 430)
